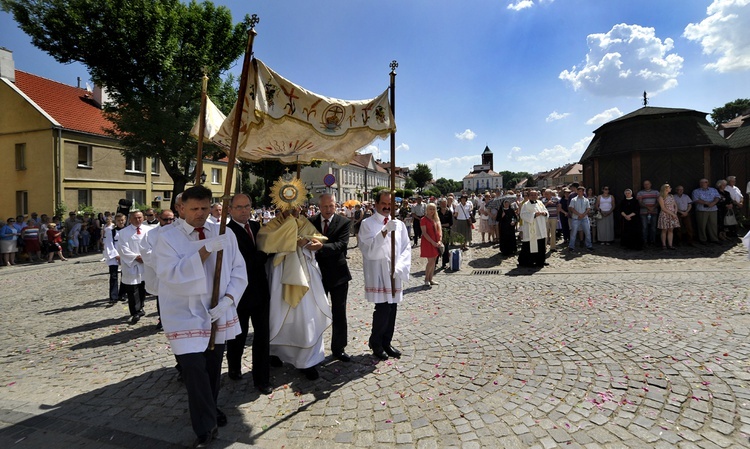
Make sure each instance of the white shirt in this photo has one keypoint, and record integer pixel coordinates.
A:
(186, 286)
(735, 193)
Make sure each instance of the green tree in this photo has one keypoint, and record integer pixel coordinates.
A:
(730, 110)
(410, 184)
(446, 186)
(421, 175)
(150, 55)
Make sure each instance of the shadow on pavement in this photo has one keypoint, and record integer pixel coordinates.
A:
(86, 305)
(146, 411)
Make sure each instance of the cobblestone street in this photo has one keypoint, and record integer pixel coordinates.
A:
(607, 349)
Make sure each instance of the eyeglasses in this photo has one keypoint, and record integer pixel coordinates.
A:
(149, 215)
(167, 219)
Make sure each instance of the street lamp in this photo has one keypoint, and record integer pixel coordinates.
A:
(203, 177)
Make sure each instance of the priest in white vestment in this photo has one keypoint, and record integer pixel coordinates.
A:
(534, 232)
(375, 235)
(299, 311)
(185, 264)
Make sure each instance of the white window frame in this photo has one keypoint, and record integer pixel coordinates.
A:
(155, 166)
(215, 176)
(89, 163)
(130, 165)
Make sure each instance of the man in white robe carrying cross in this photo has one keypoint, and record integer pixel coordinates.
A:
(375, 243)
(185, 264)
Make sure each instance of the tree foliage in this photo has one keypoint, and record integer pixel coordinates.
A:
(150, 55)
(446, 186)
(421, 175)
(731, 110)
(511, 179)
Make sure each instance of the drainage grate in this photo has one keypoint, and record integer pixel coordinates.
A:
(483, 272)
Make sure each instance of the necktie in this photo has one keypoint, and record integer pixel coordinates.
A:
(138, 230)
(249, 232)
(385, 220)
(325, 227)
(201, 235)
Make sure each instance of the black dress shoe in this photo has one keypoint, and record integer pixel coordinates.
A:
(205, 440)
(159, 327)
(379, 353)
(235, 375)
(275, 361)
(141, 313)
(310, 373)
(221, 418)
(134, 319)
(393, 352)
(265, 389)
(343, 356)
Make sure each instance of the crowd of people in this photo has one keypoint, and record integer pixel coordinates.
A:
(289, 266)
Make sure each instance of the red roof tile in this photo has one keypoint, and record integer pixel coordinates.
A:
(72, 107)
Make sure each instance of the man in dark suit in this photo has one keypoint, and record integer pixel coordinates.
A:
(254, 304)
(334, 269)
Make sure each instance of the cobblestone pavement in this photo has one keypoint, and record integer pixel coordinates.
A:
(607, 349)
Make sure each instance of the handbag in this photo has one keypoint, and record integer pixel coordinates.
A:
(598, 215)
(441, 248)
(730, 219)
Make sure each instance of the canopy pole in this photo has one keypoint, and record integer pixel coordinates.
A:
(201, 130)
(232, 156)
(394, 64)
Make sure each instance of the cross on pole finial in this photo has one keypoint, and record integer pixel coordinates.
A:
(645, 98)
(254, 20)
(394, 64)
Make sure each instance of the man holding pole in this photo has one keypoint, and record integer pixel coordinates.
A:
(375, 236)
(186, 258)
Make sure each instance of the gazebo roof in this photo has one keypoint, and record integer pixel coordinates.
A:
(654, 129)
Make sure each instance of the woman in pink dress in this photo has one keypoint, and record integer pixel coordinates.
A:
(668, 219)
(432, 236)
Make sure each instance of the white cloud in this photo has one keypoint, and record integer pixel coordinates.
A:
(518, 5)
(724, 33)
(466, 135)
(556, 116)
(549, 158)
(604, 117)
(626, 61)
(521, 4)
(454, 168)
(383, 153)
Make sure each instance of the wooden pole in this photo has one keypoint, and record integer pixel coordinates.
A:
(201, 131)
(232, 156)
(394, 64)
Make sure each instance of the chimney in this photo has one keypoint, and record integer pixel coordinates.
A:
(101, 96)
(7, 66)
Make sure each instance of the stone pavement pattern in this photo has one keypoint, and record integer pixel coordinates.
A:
(610, 349)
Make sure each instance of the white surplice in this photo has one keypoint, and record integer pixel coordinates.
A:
(109, 241)
(186, 285)
(376, 253)
(533, 228)
(128, 247)
(147, 244)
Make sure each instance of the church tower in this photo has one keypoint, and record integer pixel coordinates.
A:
(487, 157)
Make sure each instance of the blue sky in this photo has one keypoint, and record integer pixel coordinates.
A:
(531, 79)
